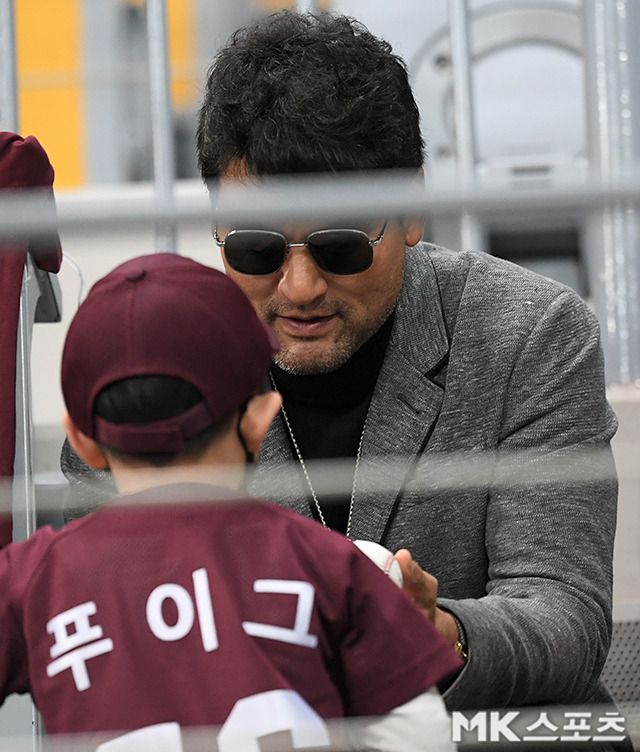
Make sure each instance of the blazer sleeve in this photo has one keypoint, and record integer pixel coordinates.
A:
(542, 632)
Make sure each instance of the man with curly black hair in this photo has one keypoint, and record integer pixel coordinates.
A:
(303, 94)
(481, 381)
(419, 353)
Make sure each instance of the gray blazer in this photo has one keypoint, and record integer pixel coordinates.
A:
(486, 453)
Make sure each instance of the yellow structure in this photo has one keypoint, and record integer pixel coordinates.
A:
(49, 54)
(51, 50)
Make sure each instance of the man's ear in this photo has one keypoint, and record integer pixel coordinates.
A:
(85, 447)
(413, 230)
(414, 226)
(259, 415)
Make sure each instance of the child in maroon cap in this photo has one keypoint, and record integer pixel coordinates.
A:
(150, 615)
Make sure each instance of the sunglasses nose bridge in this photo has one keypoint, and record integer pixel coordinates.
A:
(302, 281)
(286, 253)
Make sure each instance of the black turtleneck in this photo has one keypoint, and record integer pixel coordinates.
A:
(327, 414)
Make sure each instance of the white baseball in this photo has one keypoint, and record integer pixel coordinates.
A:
(383, 558)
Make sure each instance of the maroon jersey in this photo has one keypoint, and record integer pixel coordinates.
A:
(138, 615)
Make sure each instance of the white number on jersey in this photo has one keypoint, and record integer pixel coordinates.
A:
(252, 717)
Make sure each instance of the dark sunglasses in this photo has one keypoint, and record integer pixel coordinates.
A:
(260, 252)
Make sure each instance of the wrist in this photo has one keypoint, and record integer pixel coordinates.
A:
(450, 627)
(446, 625)
(460, 647)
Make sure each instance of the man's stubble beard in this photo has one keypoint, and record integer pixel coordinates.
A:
(324, 362)
(345, 345)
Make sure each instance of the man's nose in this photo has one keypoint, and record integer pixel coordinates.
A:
(302, 281)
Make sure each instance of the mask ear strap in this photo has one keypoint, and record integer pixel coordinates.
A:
(251, 458)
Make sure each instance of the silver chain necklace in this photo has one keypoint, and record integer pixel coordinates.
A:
(306, 474)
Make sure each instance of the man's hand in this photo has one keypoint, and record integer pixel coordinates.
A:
(422, 588)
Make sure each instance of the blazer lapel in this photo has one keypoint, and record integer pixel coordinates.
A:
(406, 402)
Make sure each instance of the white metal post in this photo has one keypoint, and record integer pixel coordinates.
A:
(464, 119)
(8, 79)
(23, 489)
(23, 501)
(613, 234)
(306, 6)
(161, 121)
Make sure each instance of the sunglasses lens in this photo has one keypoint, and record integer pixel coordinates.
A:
(341, 251)
(255, 252)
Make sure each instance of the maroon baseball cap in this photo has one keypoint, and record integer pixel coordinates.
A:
(164, 315)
